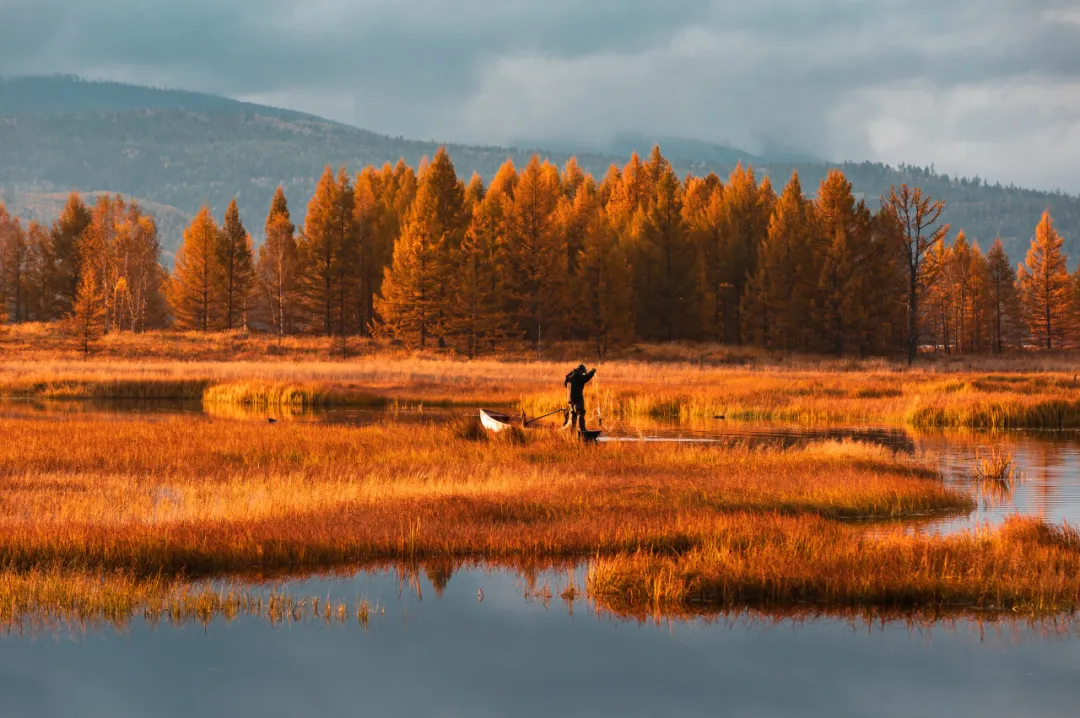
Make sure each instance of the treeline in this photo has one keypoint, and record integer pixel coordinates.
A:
(541, 254)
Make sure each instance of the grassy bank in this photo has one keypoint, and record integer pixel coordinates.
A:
(199, 496)
(622, 391)
(1025, 567)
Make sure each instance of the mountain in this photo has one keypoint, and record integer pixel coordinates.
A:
(174, 151)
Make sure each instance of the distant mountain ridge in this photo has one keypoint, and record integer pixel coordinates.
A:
(180, 150)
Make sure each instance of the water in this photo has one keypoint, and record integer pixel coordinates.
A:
(512, 656)
(426, 652)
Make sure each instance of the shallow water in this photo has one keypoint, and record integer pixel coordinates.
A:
(453, 655)
(516, 654)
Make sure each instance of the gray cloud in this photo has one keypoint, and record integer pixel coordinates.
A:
(988, 87)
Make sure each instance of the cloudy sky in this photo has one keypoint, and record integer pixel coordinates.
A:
(975, 87)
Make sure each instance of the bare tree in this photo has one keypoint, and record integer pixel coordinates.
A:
(916, 220)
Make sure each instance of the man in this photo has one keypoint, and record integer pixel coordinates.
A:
(576, 381)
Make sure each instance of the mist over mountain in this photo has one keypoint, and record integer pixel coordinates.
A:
(175, 151)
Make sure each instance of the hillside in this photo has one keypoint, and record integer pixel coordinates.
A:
(179, 150)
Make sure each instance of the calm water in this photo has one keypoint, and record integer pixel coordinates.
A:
(515, 654)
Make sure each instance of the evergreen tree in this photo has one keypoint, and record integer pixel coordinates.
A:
(86, 321)
(237, 266)
(1004, 301)
(195, 291)
(278, 267)
(1044, 287)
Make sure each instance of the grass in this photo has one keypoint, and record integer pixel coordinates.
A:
(106, 520)
(50, 598)
(199, 496)
(240, 371)
(1026, 567)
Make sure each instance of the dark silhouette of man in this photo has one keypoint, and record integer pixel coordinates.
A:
(575, 382)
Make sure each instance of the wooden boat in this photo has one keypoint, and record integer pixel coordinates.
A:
(497, 421)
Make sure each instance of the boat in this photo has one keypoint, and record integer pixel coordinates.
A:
(497, 421)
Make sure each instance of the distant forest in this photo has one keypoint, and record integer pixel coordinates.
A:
(176, 151)
(543, 253)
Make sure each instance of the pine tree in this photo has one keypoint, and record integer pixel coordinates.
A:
(916, 218)
(237, 266)
(278, 266)
(195, 291)
(1044, 287)
(64, 247)
(1004, 300)
(415, 305)
(86, 322)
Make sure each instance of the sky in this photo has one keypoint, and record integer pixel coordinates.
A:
(987, 88)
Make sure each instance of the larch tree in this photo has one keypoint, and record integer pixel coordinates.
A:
(744, 221)
(86, 321)
(413, 306)
(917, 216)
(780, 299)
(479, 316)
(1044, 287)
(664, 261)
(40, 270)
(236, 262)
(845, 286)
(374, 245)
(139, 283)
(277, 269)
(604, 297)
(1004, 301)
(64, 238)
(703, 212)
(535, 287)
(195, 290)
(327, 251)
(14, 257)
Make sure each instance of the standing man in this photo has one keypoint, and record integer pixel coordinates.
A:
(576, 381)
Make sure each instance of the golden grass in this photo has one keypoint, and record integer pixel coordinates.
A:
(54, 597)
(199, 496)
(1024, 567)
(803, 393)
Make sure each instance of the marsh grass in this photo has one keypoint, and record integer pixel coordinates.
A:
(670, 384)
(194, 496)
(55, 597)
(995, 475)
(1026, 567)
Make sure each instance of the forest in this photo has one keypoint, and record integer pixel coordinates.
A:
(424, 259)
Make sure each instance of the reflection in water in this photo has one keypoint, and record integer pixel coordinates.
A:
(456, 655)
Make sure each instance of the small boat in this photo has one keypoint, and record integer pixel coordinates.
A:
(497, 421)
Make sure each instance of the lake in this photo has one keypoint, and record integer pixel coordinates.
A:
(491, 642)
